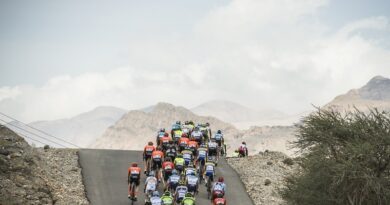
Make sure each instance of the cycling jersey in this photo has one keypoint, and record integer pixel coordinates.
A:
(197, 135)
(219, 201)
(168, 166)
(193, 144)
(202, 153)
(188, 201)
(181, 191)
(209, 169)
(219, 186)
(150, 184)
(134, 172)
(157, 156)
(167, 200)
(192, 180)
(212, 145)
(179, 161)
(218, 137)
(177, 134)
(148, 150)
(165, 140)
(183, 142)
(187, 156)
(173, 180)
(190, 170)
(155, 201)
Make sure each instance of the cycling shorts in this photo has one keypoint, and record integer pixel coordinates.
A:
(212, 152)
(219, 142)
(136, 180)
(157, 164)
(191, 188)
(146, 157)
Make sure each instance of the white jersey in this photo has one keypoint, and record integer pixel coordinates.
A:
(212, 145)
(197, 134)
(155, 201)
(151, 184)
(219, 186)
(192, 180)
(218, 137)
(181, 191)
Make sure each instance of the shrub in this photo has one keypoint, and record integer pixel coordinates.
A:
(288, 161)
(345, 159)
(267, 182)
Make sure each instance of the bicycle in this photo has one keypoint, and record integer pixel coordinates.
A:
(132, 192)
(208, 186)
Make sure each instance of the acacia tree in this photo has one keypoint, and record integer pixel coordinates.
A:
(344, 159)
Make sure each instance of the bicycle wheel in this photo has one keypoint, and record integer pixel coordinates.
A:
(208, 188)
(132, 192)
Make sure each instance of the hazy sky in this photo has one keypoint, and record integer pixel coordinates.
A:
(60, 58)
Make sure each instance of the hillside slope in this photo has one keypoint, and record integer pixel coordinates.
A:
(375, 94)
(84, 128)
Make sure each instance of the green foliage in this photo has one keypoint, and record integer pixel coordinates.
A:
(345, 159)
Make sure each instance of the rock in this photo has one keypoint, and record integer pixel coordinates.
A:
(267, 182)
(4, 152)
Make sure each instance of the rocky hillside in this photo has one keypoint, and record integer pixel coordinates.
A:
(276, 138)
(263, 175)
(233, 112)
(138, 127)
(82, 129)
(376, 93)
(36, 176)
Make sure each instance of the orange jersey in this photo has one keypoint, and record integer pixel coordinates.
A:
(149, 149)
(183, 141)
(168, 166)
(158, 155)
(219, 201)
(165, 140)
(193, 144)
(134, 171)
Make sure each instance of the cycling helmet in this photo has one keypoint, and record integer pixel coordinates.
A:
(156, 194)
(167, 193)
(196, 128)
(189, 194)
(134, 164)
(207, 124)
(166, 135)
(244, 143)
(150, 143)
(220, 179)
(179, 155)
(174, 172)
(167, 159)
(192, 173)
(186, 122)
(151, 174)
(162, 130)
(158, 148)
(178, 122)
(203, 145)
(190, 165)
(219, 132)
(182, 182)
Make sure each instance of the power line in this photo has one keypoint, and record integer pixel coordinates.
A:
(27, 136)
(39, 130)
(33, 134)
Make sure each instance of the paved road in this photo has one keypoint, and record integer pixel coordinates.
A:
(105, 178)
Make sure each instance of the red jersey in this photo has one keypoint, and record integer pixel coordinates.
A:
(148, 150)
(134, 172)
(165, 140)
(168, 166)
(219, 201)
(183, 141)
(157, 155)
(193, 144)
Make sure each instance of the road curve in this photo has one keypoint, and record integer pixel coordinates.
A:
(105, 178)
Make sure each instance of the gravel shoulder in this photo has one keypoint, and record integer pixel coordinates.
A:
(263, 175)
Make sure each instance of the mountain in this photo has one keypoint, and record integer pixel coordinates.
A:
(138, 127)
(375, 94)
(233, 112)
(84, 128)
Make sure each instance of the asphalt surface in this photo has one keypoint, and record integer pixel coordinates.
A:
(105, 178)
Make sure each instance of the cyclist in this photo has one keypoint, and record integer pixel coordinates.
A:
(212, 148)
(219, 139)
(183, 142)
(171, 150)
(209, 170)
(155, 199)
(187, 155)
(190, 169)
(164, 141)
(179, 163)
(173, 181)
(167, 198)
(150, 185)
(147, 155)
(197, 135)
(160, 134)
(186, 129)
(219, 201)
(189, 199)
(219, 189)
(205, 131)
(192, 182)
(157, 157)
(180, 192)
(167, 167)
(133, 175)
(243, 150)
(193, 146)
(201, 155)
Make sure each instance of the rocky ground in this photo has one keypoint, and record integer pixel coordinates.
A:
(37, 176)
(263, 175)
